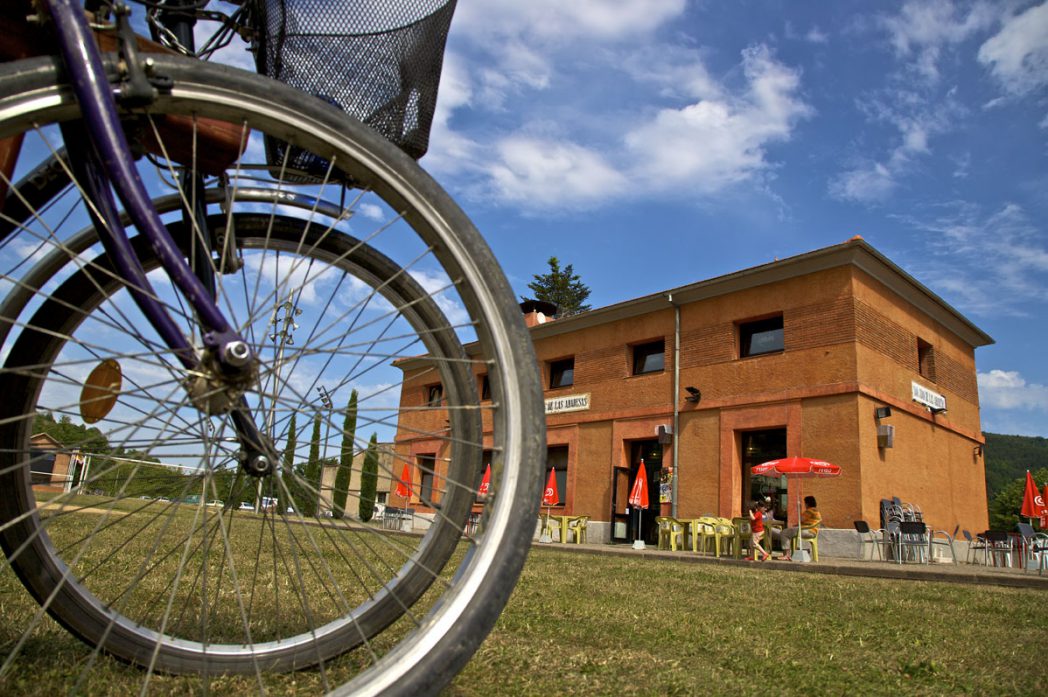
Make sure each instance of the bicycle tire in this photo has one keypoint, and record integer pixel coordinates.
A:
(424, 218)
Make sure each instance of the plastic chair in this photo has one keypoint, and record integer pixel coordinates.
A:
(812, 541)
(869, 537)
(670, 532)
(712, 528)
(743, 535)
(551, 527)
(577, 527)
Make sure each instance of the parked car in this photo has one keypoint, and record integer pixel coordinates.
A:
(246, 506)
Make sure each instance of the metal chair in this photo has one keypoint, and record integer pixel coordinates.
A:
(998, 547)
(1034, 548)
(912, 541)
(976, 545)
(869, 537)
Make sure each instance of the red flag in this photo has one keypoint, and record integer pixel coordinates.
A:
(402, 484)
(485, 483)
(550, 497)
(639, 492)
(1033, 504)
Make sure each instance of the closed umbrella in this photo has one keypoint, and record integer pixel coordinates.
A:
(797, 468)
(485, 483)
(1044, 510)
(1033, 504)
(402, 484)
(639, 499)
(550, 497)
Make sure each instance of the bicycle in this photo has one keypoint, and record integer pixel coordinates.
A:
(275, 258)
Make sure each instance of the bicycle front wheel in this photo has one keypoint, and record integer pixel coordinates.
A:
(361, 306)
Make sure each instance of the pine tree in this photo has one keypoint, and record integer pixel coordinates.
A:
(562, 287)
(288, 497)
(311, 496)
(345, 465)
(369, 480)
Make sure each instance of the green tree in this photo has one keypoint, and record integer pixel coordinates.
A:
(369, 480)
(1005, 506)
(561, 286)
(345, 464)
(311, 475)
(288, 496)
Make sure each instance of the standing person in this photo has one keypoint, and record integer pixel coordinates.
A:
(757, 528)
(811, 519)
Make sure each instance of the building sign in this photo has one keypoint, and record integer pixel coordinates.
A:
(932, 400)
(573, 402)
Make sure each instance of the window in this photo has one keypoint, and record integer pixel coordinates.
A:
(760, 337)
(562, 373)
(427, 470)
(485, 387)
(649, 357)
(434, 394)
(926, 359)
(557, 458)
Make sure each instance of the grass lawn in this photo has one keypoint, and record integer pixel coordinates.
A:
(591, 625)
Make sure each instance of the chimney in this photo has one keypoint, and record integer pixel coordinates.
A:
(538, 312)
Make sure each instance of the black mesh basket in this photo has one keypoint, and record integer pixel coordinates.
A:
(378, 60)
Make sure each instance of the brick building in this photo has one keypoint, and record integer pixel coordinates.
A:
(836, 354)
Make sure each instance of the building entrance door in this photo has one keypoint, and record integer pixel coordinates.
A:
(623, 517)
(758, 447)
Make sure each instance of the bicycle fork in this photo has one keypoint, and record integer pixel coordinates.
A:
(100, 158)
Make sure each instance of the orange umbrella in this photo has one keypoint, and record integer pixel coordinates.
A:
(485, 483)
(1033, 504)
(402, 484)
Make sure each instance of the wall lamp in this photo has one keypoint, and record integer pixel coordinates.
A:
(977, 450)
(694, 395)
(937, 410)
(882, 412)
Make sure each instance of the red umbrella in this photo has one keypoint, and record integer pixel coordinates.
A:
(639, 492)
(402, 484)
(639, 499)
(485, 483)
(550, 497)
(797, 467)
(1033, 504)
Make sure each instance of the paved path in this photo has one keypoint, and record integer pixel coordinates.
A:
(948, 573)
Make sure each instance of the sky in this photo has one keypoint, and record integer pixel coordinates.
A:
(656, 143)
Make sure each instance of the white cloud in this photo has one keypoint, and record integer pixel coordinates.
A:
(551, 173)
(713, 143)
(1018, 55)
(1006, 389)
(923, 28)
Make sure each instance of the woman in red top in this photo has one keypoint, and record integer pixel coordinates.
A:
(757, 527)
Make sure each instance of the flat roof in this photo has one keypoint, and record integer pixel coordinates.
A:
(855, 252)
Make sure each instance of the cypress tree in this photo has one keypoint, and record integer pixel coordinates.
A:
(369, 480)
(345, 464)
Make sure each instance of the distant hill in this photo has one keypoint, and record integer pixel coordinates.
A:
(1008, 457)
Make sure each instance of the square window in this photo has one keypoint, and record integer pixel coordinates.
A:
(562, 373)
(434, 395)
(761, 337)
(649, 357)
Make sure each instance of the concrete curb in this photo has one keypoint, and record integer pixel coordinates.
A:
(952, 573)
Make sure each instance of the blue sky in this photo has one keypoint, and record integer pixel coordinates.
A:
(654, 143)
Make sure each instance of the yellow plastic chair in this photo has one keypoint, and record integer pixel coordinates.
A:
(813, 541)
(743, 537)
(551, 527)
(715, 529)
(671, 532)
(578, 528)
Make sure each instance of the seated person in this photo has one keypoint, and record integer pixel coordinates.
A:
(811, 519)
